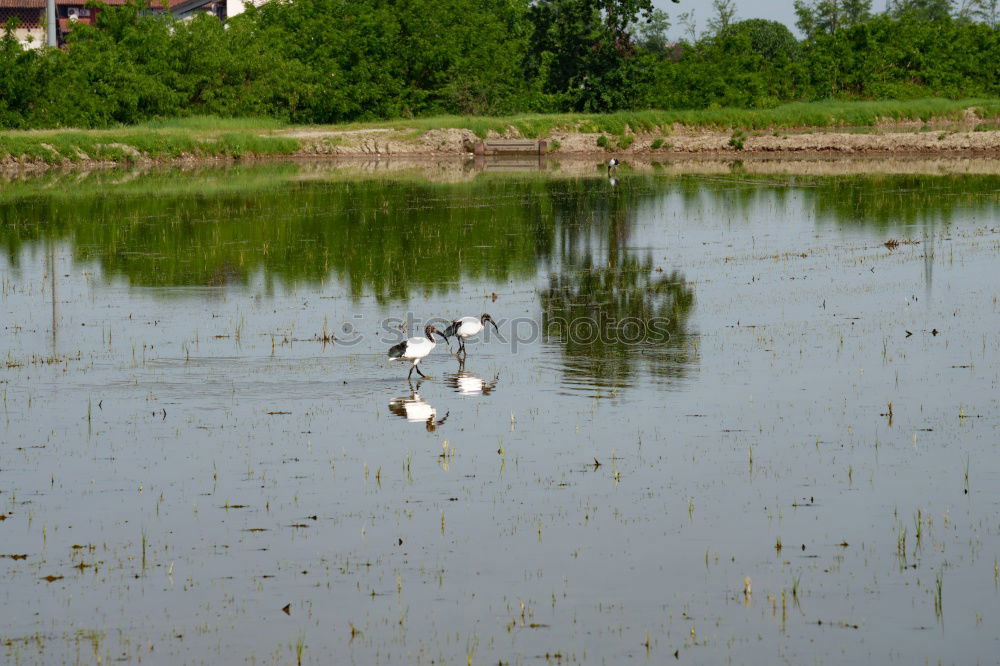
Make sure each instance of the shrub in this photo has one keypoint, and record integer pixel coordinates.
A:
(737, 139)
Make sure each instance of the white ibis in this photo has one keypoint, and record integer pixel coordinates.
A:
(415, 349)
(612, 164)
(466, 327)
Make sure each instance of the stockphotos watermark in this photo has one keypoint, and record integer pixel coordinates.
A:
(601, 329)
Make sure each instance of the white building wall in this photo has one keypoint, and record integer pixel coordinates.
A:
(234, 7)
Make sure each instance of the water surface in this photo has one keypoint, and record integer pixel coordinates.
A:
(730, 416)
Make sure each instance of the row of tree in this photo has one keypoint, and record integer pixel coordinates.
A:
(324, 61)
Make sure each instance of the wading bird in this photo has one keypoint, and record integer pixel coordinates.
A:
(466, 327)
(415, 349)
(612, 164)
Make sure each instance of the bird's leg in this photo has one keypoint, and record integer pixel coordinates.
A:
(410, 373)
(420, 373)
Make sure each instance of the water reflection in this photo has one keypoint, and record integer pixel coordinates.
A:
(609, 310)
(880, 202)
(387, 238)
(467, 383)
(415, 409)
(610, 320)
(393, 236)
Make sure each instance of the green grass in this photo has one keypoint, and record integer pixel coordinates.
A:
(209, 123)
(737, 139)
(211, 137)
(55, 147)
(832, 113)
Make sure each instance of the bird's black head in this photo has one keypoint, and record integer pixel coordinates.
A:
(487, 318)
(429, 332)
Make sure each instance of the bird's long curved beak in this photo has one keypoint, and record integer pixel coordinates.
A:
(495, 326)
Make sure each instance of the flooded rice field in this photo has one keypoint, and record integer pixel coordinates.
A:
(728, 417)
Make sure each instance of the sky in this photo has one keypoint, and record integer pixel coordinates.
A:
(776, 10)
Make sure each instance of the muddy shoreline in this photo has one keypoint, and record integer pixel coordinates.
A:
(889, 140)
(971, 139)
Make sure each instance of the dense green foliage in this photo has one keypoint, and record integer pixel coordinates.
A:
(333, 61)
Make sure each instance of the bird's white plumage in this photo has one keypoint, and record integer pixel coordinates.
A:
(416, 348)
(468, 326)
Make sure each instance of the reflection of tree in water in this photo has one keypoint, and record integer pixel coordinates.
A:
(879, 202)
(611, 319)
(399, 238)
(611, 310)
(388, 238)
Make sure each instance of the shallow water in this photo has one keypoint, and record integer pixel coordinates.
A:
(795, 460)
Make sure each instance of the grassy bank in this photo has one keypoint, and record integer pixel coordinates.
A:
(141, 143)
(210, 138)
(822, 115)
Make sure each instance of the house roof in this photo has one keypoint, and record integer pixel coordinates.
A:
(40, 4)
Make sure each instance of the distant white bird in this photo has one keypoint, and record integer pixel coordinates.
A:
(612, 164)
(415, 349)
(466, 327)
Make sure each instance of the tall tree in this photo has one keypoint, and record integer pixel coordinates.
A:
(856, 11)
(725, 13)
(689, 25)
(581, 50)
(922, 10)
(652, 33)
(986, 11)
(819, 16)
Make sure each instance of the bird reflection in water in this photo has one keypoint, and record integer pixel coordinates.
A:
(415, 409)
(467, 383)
